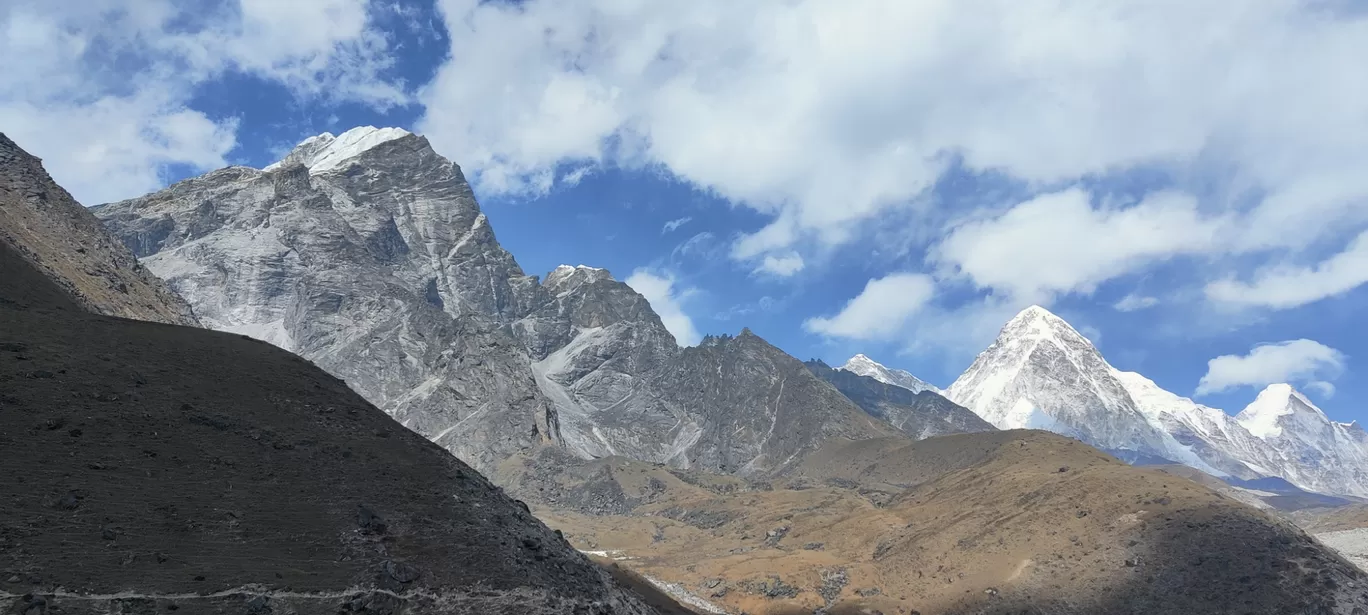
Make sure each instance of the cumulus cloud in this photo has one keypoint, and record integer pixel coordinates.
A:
(1284, 286)
(880, 310)
(1292, 361)
(822, 114)
(101, 90)
(667, 301)
(1134, 303)
(1060, 242)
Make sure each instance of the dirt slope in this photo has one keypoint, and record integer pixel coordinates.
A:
(1352, 517)
(1006, 522)
(151, 467)
(45, 225)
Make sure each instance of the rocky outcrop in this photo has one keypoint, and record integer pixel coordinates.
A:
(919, 414)
(43, 223)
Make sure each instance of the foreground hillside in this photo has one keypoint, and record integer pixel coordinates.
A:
(54, 233)
(152, 467)
(998, 522)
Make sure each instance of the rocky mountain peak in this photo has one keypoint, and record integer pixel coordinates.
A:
(566, 278)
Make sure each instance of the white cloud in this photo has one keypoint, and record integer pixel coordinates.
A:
(101, 90)
(576, 176)
(1300, 360)
(783, 265)
(1060, 242)
(659, 289)
(825, 113)
(674, 224)
(1134, 303)
(1324, 389)
(1283, 287)
(880, 310)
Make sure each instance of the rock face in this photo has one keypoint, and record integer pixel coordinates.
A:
(157, 467)
(1041, 373)
(377, 265)
(759, 408)
(920, 414)
(367, 254)
(44, 224)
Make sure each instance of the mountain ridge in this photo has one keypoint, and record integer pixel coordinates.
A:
(381, 267)
(1043, 373)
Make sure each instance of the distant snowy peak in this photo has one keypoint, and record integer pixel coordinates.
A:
(865, 366)
(326, 152)
(1035, 324)
(1041, 373)
(1279, 406)
(992, 385)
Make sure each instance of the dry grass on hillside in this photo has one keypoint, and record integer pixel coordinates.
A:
(979, 523)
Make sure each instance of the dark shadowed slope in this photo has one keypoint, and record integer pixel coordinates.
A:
(61, 238)
(151, 467)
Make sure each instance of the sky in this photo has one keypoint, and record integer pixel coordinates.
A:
(1184, 182)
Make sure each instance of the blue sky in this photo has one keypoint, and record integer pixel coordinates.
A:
(1182, 183)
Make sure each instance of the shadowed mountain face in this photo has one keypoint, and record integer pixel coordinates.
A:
(50, 230)
(920, 414)
(151, 467)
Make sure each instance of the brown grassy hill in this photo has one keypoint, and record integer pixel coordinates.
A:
(1319, 520)
(151, 467)
(1006, 522)
(48, 228)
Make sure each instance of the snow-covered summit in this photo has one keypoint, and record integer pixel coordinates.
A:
(865, 366)
(326, 152)
(1042, 373)
(1275, 407)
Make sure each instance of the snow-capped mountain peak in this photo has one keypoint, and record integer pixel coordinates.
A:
(1036, 323)
(1041, 373)
(326, 152)
(1267, 415)
(865, 366)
